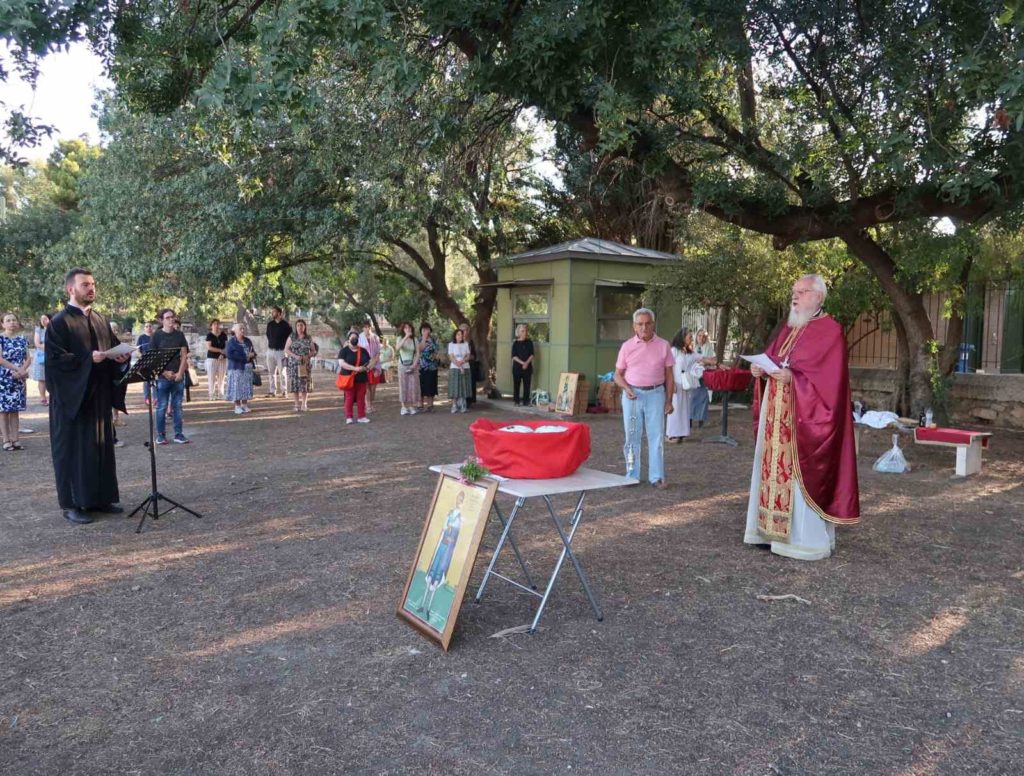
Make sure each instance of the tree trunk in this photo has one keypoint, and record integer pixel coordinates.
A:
(909, 308)
(722, 335)
(901, 396)
(244, 315)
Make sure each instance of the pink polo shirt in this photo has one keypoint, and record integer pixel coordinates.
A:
(644, 362)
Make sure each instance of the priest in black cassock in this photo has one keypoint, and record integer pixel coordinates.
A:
(81, 380)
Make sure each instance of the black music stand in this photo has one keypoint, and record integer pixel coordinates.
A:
(147, 369)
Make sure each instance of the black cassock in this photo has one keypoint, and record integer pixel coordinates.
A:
(82, 397)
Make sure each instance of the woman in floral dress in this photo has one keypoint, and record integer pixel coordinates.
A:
(300, 350)
(15, 360)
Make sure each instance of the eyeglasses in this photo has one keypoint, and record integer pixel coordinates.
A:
(804, 291)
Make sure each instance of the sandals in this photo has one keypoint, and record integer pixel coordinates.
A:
(8, 446)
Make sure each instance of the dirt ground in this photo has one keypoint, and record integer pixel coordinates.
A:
(262, 639)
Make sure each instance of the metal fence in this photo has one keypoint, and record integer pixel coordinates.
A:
(993, 333)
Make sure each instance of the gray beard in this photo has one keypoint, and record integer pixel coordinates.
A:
(798, 319)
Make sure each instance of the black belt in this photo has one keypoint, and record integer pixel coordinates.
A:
(647, 387)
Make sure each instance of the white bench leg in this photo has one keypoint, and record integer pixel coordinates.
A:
(968, 459)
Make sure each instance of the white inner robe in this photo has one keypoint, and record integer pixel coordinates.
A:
(810, 537)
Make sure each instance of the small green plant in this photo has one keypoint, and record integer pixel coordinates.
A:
(472, 470)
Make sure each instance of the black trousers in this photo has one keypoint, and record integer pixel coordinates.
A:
(521, 378)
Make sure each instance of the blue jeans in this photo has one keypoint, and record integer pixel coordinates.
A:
(645, 413)
(168, 390)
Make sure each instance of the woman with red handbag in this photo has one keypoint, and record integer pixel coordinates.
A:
(354, 364)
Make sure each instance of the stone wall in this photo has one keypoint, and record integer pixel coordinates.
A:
(977, 399)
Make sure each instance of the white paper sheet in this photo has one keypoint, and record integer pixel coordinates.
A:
(762, 361)
(120, 350)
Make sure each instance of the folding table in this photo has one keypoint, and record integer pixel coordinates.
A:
(581, 481)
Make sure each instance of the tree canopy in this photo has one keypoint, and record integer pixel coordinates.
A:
(802, 120)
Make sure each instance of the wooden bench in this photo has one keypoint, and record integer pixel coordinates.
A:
(968, 444)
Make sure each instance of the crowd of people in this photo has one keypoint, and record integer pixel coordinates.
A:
(663, 395)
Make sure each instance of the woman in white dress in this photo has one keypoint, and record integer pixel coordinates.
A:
(686, 372)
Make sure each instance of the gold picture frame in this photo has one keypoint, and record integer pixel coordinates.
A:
(565, 396)
(445, 556)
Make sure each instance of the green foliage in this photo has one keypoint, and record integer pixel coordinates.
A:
(36, 241)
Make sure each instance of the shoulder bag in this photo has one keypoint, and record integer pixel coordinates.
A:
(346, 378)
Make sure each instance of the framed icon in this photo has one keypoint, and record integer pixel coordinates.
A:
(444, 560)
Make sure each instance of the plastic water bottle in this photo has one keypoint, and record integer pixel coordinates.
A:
(928, 418)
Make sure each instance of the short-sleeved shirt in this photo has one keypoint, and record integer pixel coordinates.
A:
(218, 341)
(458, 350)
(645, 362)
(522, 349)
(163, 340)
(349, 356)
(428, 355)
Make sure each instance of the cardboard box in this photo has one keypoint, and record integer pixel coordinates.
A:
(609, 396)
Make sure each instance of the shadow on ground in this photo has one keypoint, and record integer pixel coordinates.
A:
(263, 638)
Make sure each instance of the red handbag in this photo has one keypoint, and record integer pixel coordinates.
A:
(347, 379)
(531, 456)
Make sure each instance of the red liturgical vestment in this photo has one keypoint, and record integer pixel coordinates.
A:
(808, 433)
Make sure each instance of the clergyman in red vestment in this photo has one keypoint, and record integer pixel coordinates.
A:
(804, 480)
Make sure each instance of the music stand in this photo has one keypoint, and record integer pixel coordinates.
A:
(147, 369)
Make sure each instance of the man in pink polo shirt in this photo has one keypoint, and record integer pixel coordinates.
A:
(643, 371)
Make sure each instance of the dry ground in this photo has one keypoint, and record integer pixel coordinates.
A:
(262, 639)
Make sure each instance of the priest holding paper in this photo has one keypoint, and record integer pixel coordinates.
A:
(804, 480)
(81, 368)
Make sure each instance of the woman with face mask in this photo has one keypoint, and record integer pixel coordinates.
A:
(356, 360)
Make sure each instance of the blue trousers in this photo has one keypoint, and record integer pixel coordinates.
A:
(173, 392)
(645, 413)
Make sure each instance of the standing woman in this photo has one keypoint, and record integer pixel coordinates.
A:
(241, 356)
(408, 356)
(38, 362)
(460, 382)
(216, 361)
(474, 365)
(522, 366)
(684, 372)
(369, 341)
(701, 397)
(15, 360)
(428, 367)
(355, 359)
(299, 350)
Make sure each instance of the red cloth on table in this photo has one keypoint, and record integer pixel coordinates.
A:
(531, 456)
(949, 436)
(727, 379)
(824, 440)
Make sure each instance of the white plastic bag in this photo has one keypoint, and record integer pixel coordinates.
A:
(892, 461)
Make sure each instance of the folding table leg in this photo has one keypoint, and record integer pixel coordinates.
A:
(505, 534)
(567, 550)
(512, 543)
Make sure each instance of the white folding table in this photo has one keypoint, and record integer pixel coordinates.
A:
(581, 481)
